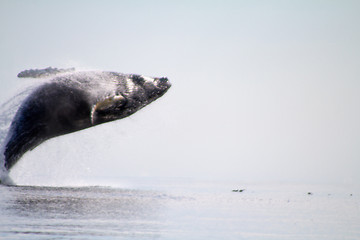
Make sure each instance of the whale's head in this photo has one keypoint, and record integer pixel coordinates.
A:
(133, 93)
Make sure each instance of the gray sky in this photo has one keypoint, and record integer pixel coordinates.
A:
(262, 90)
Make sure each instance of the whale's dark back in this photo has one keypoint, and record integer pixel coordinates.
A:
(42, 117)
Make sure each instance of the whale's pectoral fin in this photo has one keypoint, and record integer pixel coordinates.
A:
(24, 137)
(106, 108)
(46, 72)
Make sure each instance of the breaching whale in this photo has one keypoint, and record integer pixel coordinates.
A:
(70, 101)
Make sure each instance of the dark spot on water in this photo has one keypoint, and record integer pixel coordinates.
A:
(238, 190)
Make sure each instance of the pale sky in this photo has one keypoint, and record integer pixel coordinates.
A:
(262, 90)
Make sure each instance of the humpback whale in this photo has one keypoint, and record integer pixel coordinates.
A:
(70, 101)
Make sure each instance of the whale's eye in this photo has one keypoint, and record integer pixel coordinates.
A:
(138, 79)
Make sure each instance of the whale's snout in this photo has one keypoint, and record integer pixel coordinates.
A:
(162, 82)
(163, 79)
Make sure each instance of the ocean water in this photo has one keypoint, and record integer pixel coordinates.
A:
(181, 209)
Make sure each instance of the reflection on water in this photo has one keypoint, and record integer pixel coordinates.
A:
(83, 203)
(88, 211)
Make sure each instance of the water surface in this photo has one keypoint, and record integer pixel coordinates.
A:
(181, 210)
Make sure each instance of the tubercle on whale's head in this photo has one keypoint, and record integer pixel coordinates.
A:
(162, 83)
